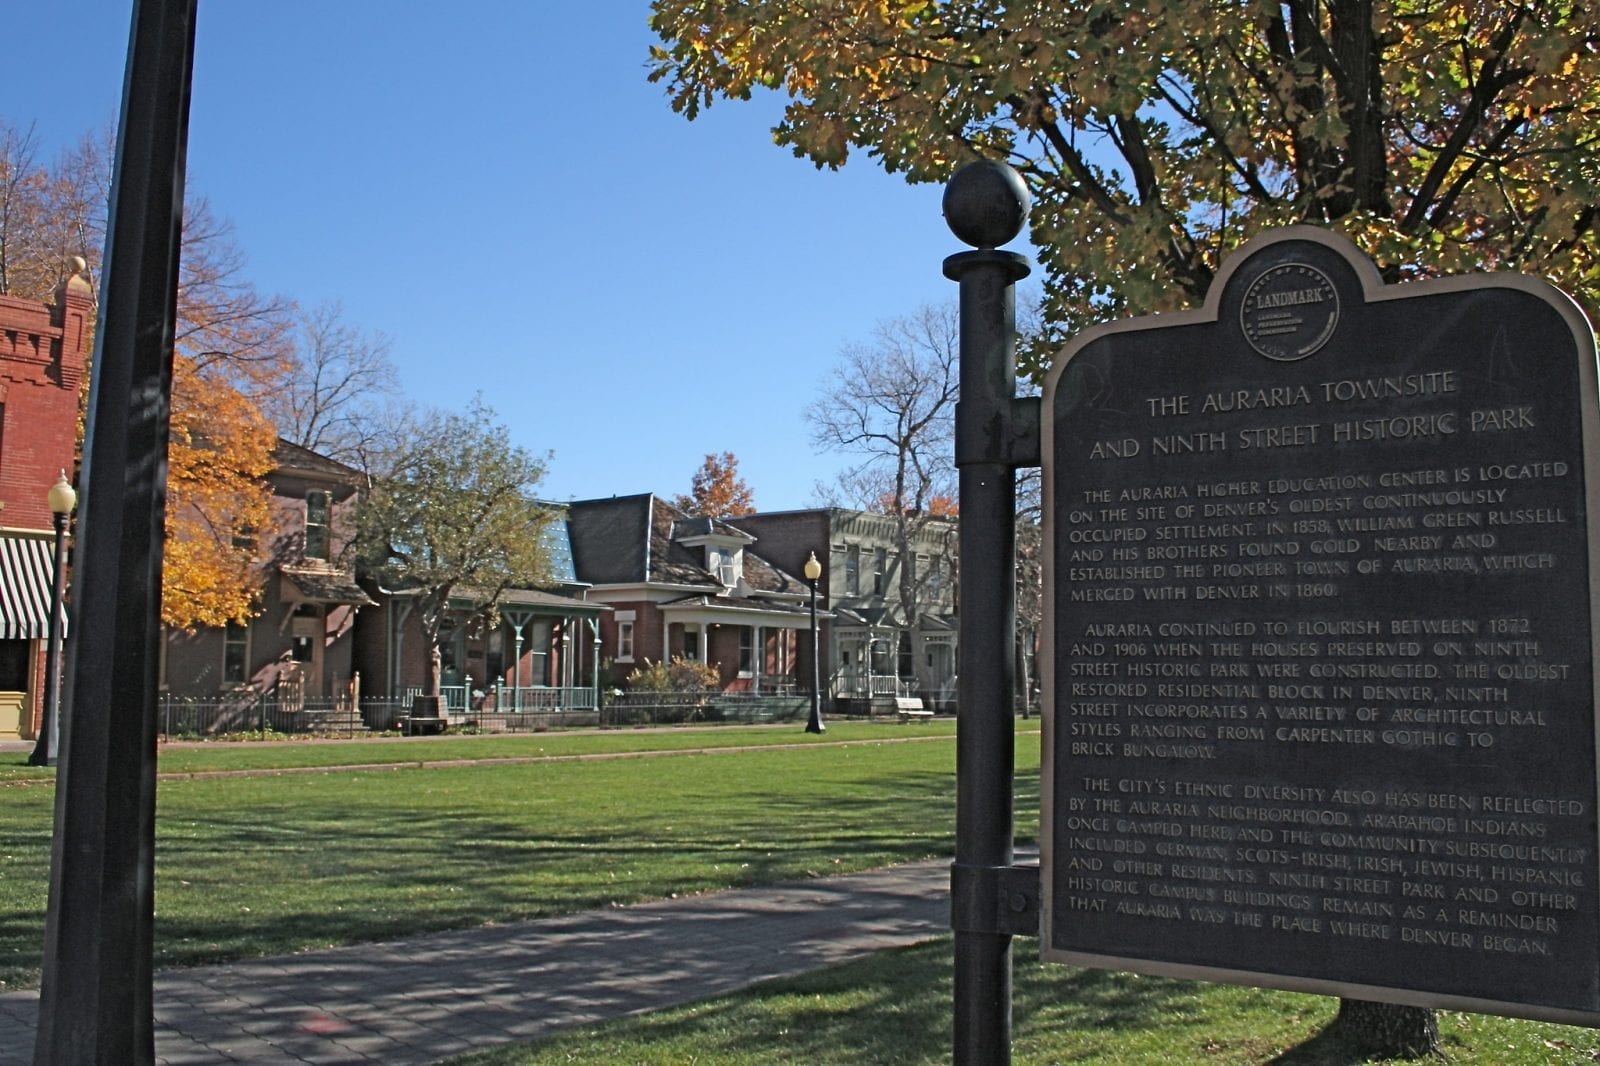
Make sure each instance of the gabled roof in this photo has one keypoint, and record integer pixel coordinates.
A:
(702, 528)
(289, 457)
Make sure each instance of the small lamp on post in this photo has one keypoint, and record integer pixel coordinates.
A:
(813, 570)
(62, 500)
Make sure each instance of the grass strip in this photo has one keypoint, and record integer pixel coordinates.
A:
(264, 865)
(215, 757)
(894, 1010)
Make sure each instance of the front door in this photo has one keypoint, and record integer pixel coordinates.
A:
(308, 642)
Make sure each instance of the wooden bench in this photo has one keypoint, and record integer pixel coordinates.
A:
(908, 707)
(414, 726)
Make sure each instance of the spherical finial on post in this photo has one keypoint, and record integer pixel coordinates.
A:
(986, 203)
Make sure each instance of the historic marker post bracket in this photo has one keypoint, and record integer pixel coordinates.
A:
(1321, 644)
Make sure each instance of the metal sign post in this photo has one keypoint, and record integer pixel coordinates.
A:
(95, 1002)
(985, 205)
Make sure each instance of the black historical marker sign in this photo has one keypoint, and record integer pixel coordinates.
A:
(1322, 650)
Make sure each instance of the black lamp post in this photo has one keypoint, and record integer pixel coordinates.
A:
(62, 501)
(813, 570)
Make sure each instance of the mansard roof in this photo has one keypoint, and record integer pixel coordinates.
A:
(638, 540)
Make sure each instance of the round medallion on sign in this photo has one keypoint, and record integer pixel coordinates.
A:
(1289, 311)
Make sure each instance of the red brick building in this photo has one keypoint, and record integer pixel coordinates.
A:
(44, 350)
(682, 586)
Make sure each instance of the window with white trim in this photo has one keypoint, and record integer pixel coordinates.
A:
(625, 636)
(747, 650)
(317, 513)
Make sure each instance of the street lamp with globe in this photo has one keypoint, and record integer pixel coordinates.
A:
(62, 500)
(813, 570)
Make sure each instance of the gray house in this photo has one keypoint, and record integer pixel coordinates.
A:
(893, 631)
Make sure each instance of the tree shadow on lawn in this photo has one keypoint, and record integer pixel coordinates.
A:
(378, 874)
(341, 863)
(894, 1007)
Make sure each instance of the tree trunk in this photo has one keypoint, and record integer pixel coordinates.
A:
(435, 668)
(1387, 1029)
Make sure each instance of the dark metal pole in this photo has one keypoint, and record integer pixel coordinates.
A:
(95, 998)
(814, 725)
(985, 205)
(47, 749)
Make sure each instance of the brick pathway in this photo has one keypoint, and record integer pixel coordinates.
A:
(424, 999)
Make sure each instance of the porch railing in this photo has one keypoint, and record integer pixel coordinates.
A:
(540, 698)
(861, 686)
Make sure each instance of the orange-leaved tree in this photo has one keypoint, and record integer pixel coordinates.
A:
(717, 490)
(233, 347)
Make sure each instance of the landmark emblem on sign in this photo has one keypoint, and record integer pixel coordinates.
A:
(1289, 312)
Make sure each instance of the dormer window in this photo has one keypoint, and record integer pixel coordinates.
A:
(723, 546)
(726, 563)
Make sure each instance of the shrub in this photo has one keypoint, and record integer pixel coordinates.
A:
(680, 675)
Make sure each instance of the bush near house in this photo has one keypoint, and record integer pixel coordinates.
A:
(680, 675)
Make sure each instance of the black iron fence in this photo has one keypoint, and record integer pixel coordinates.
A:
(245, 712)
(190, 716)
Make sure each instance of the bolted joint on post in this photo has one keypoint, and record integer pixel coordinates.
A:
(1010, 437)
(994, 899)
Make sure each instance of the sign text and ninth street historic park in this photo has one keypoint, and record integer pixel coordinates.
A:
(1321, 641)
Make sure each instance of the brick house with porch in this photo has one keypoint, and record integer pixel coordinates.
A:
(681, 585)
(298, 649)
(540, 657)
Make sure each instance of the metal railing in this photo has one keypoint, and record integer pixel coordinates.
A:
(862, 686)
(542, 709)
(680, 708)
(248, 712)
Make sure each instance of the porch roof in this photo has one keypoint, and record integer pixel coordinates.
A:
(324, 586)
(535, 601)
(740, 611)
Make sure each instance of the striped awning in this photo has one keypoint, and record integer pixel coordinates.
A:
(25, 573)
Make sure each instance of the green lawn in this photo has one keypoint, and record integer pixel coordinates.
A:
(895, 1008)
(411, 751)
(265, 864)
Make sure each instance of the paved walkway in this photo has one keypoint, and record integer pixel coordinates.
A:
(428, 998)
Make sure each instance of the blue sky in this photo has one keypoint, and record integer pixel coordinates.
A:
(504, 194)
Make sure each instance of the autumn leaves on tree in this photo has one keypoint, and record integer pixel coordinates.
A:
(717, 490)
(1157, 137)
(233, 347)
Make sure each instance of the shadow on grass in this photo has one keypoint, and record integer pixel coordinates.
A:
(347, 867)
(255, 866)
(1327, 1048)
(893, 1008)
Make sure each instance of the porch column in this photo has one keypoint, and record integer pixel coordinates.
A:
(758, 652)
(516, 667)
(594, 666)
(567, 651)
